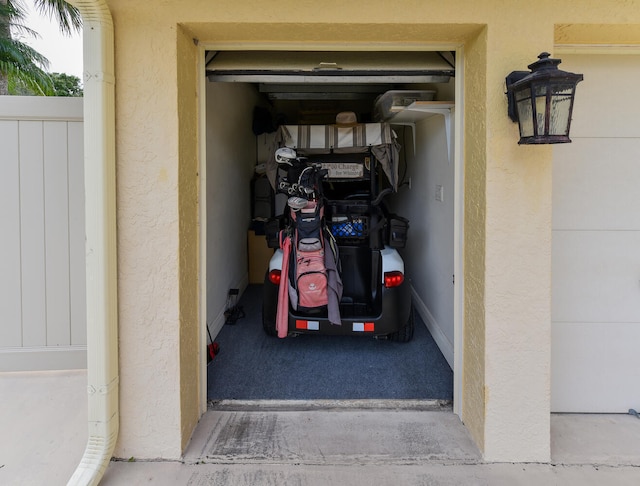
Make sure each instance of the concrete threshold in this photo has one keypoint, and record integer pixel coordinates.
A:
(331, 433)
(308, 405)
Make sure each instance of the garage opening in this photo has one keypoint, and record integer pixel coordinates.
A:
(250, 96)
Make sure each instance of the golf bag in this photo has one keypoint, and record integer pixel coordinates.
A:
(308, 277)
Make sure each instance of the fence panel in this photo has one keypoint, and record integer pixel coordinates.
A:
(42, 279)
(10, 292)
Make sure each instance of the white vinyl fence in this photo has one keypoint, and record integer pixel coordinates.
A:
(42, 279)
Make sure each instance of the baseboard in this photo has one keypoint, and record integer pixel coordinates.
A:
(43, 358)
(446, 347)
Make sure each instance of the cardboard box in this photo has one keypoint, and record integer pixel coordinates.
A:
(259, 255)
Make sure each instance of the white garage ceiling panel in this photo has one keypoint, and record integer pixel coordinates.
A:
(596, 240)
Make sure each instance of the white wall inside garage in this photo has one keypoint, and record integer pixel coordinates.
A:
(42, 268)
(596, 237)
(429, 206)
(230, 160)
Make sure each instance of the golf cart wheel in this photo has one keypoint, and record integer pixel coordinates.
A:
(405, 333)
(269, 324)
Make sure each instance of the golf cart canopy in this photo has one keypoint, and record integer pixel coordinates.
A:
(378, 138)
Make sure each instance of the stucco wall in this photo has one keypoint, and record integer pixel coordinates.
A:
(505, 402)
(517, 269)
(473, 364)
(191, 349)
(148, 161)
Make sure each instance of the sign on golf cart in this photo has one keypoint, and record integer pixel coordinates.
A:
(343, 170)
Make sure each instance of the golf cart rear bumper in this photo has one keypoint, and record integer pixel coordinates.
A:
(396, 305)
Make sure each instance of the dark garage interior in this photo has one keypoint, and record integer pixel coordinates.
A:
(248, 96)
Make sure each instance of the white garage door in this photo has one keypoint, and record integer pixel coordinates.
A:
(596, 242)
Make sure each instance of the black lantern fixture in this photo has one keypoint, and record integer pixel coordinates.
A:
(541, 101)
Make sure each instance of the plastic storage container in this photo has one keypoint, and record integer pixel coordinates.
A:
(387, 104)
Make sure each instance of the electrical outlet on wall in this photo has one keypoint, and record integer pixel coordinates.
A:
(439, 193)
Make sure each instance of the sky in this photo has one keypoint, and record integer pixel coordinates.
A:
(64, 52)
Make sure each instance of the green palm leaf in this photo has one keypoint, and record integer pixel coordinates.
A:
(66, 15)
(22, 68)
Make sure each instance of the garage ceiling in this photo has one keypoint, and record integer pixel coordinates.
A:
(330, 67)
(312, 86)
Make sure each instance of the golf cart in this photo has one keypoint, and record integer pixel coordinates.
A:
(336, 269)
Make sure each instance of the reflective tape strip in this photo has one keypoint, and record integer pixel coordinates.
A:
(358, 327)
(363, 327)
(308, 325)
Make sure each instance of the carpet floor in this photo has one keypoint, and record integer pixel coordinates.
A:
(253, 366)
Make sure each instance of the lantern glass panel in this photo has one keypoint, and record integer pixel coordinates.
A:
(525, 112)
(560, 110)
(541, 108)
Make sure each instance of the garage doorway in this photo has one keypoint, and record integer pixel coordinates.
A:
(429, 197)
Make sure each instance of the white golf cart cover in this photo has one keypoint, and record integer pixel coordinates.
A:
(340, 139)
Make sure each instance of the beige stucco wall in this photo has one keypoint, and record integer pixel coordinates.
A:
(147, 152)
(505, 400)
(188, 167)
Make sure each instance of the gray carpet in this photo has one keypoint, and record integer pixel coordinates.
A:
(253, 366)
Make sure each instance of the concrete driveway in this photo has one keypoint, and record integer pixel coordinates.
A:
(43, 420)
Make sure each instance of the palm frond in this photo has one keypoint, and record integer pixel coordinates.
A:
(22, 30)
(24, 66)
(11, 9)
(21, 65)
(21, 82)
(33, 81)
(65, 14)
(12, 17)
(16, 52)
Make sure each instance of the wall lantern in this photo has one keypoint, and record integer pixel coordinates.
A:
(541, 101)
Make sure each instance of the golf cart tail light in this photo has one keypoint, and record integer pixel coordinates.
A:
(393, 279)
(274, 277)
